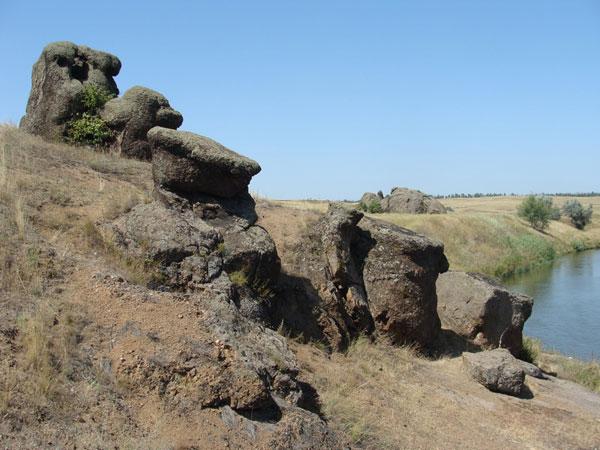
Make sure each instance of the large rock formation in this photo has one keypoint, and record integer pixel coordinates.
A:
(400, 271)
(57, 81)
(404, 201)
(132, 115)
(497, 370)
(208, 249)
(479, 309)
(189, 163)
(346, 279)
(192, 236)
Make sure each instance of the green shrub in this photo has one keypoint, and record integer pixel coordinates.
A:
(373, 207)
(88, 130)
(86, 127)
(93, 97)
(578, 245)
(579, 215)
(537, 211)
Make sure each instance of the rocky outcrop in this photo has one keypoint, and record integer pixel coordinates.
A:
(192, 237)
(352, 276)
(189, 163)
(131, 116)
(195, 351)
(400, 271)
(479, 309)
(57, 81)
(405, 201)
(497, 370)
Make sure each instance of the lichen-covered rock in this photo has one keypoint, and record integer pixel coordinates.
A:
(58, 79)
(132, 115)
(497, 370)
(479, 309)
(187, 163)
(410, 201)
(400, 271)
(349, 278)
(370, 198)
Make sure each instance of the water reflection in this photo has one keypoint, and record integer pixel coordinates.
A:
(566, 313)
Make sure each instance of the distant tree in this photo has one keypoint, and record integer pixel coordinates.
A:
(537, 211)
(579, 215)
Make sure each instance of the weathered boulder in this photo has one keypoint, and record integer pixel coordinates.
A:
(479, 309)
(187, 163)
(346, 279)
(132, 115)
(497, 370)
(410, 201)
(400, 270)
(57, 81)
(369, 198)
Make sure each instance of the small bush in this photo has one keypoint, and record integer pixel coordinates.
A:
(88, 130)
(238, 278)
(537, 211)
(93, 97)
(578, 215)
(373, 207)
(578, 245)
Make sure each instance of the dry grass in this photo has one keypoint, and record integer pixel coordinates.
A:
(586, 373)
(47, 193)
(359, 391)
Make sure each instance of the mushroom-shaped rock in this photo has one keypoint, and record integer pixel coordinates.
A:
(58, 79)
(497, 370)
(479, 309)
(187, 163)
(133, 114)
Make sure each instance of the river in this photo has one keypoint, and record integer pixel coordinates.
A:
(566, 312)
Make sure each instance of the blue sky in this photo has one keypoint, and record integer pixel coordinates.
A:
(335, 98)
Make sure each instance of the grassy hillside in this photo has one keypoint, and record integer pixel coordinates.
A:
(485, 235)
(63, 308)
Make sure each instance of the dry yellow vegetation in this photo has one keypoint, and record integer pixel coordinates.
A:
(55, 391)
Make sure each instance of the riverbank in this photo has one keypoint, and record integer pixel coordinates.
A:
(485, 235)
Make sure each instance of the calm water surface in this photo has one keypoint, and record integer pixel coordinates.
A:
(566, 312)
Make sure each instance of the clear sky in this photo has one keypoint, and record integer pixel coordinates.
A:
(335, 98)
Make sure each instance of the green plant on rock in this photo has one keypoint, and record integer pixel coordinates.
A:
(93, 97)
(373, 207)
(87, 127)
(239, 278)
(88, 130)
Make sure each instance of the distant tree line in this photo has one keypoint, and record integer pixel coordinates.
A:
(512, 194)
